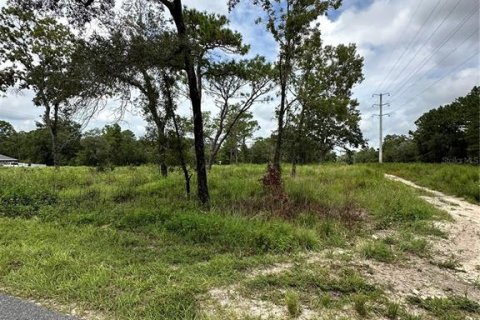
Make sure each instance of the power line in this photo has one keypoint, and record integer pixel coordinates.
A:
(423, 62)
(408, 46)
(427, 40)
(403, 88)
(475, 54)
(401, 55)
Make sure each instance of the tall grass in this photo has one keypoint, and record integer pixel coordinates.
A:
(128, 243)
(455, 179)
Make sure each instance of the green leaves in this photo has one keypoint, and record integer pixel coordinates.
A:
(36, 54)
(77, 12)
(450, 131)
(324, 78)
(289, 20)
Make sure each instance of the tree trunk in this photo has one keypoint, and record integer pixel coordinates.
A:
(181, 157)
(322, 155)
(161, 157)
(161, 148)
(55, 153)
(293, 174)
(153, 102)
(163, 169)
(281, 114)
(52, 126)
(179, 145)
(213, 156)
(285, 69)
(202, 187)
(175, 9)
(296, 144)
(210, 162)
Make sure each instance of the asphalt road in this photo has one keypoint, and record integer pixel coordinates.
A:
(16, 309)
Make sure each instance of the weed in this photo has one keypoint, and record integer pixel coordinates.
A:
(450, 263)
(360, 304)
(411, 244)
(390, 240)
(325, 300)
(449, 307)
(426, 228)
(377, 250)
(129, 244)
(275, 197)
(393, 310)
(16, 203)
(293, 303)
(332, 232)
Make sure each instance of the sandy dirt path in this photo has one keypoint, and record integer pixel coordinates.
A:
(463, 241)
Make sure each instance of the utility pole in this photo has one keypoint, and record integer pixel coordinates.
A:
(381, 115)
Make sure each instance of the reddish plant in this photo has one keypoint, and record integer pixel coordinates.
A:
(276, 198)
(272, 178)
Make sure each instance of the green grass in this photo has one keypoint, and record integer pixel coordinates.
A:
(393, 310)
(390, 249)
(455, 179)
(293, 303)
(378, 250)
(413, 244)
(449, 263)
(316, 285)
(449, 308)
(129, 245)
(360, 304)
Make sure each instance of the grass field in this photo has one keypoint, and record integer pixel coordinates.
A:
(458, 180)
(127, 244)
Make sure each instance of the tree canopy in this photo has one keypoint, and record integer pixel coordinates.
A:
(450, 132)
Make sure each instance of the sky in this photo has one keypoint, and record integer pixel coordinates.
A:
(424, 53)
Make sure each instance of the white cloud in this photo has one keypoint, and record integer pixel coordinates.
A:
(384, 30)
(219, 7)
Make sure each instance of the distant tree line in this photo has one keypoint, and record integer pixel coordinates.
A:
(449, 133)
(112, 146)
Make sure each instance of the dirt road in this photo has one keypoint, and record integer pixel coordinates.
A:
(463, 243)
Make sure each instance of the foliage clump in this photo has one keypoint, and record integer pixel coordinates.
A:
(276, 198)
(23, 204)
